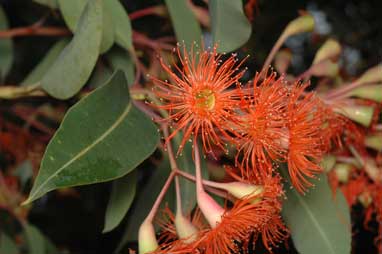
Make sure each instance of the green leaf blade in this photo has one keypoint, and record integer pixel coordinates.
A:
(318, 223)
(6, 48)
(186, 26)
(121, 197)
(101, 138)
(230, 27)
(73, 67)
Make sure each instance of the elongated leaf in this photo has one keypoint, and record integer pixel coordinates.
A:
(186, 26)
(145, 199)
(230, 27)
(186, 163)
(318, 223)
(74, 65)
(101, 138)
(6, 48)
(121, 60)
(41, 68)
(121, 197)
(35, 239)
(72, 10)
(49, 3)
(122, 24)
(7, 245)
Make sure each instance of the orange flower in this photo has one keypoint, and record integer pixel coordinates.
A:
(264, 135)
(198, 97)
(305, 123)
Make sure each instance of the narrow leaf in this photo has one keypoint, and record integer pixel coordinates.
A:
(6, 48)
(101, 138)
(49, 3)
(186, 26)
(121, 60)
(121, 197)
(145, 199)
(35, 239)
(186, 163)
(230, 27)
(74, 65)
(121, 23)
(319, 222)
(41, 68)
(7, 245)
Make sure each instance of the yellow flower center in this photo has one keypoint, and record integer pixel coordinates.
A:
(205, 99)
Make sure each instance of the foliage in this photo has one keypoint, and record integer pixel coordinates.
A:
(271, 148)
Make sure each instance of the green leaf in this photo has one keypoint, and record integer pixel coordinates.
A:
(35, 239)
(122, 24)
(49, 3)
(230, 27)
(121, 60)
(73, 67)
(101, 138)
(6, 48)
(121, 197)
(72, 10)
(42, 67)
(186, 26)
(145, 199)
(319, 223)
(24, 172)
(7, 245)
(186, 163)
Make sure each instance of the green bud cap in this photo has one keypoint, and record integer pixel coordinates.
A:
(371, 92)
(147, 240)
(360, 114)
(342, 171)
(328, 162)
(326, 68)
(185, 229)
(329, 50)
(302, 24)
(372, 75)
(374, 141)
(240, 190)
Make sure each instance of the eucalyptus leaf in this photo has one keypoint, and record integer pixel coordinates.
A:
(35, 239)
(145, 199)
(185, 24)
(7, 245)
(319, 222)
(101, 138)
(6, 48)
(122, 24)
(186, 164)
(42, 67)
(121, 60)
(121, 197)
(230, 27)
(73, 67)
(49, 3)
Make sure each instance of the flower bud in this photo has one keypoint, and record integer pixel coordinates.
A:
(360, 114)
(371, 92)
(240, 190)
(329, 50)
(372, 75)
(282, 60)
(184, 228)
(365, 199)
(342, 171)
(302, 24)
(326, 68)
(211, 210)
(374, 141)
(328, 162)
(146, 238)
